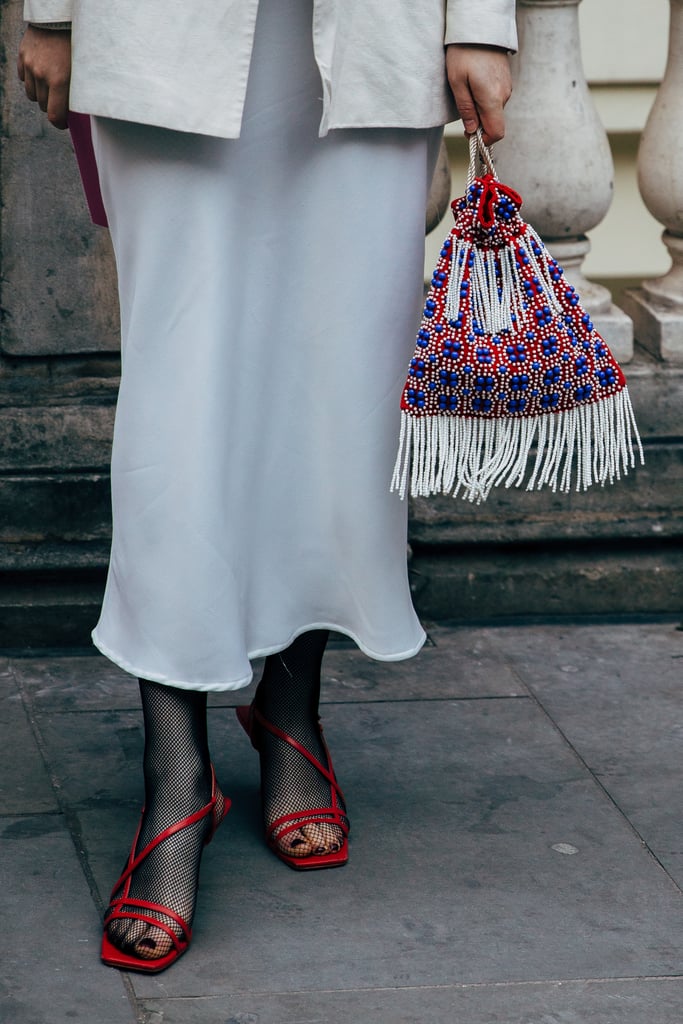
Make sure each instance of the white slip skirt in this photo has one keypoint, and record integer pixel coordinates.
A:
(270, 289)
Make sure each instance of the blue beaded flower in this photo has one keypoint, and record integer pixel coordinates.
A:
(606, 377)
(516, 353)
(448, 378)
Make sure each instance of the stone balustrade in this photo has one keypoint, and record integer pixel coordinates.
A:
(557, 153)
(611, 550)
(657, 307)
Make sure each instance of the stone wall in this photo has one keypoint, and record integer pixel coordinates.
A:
(59, 370)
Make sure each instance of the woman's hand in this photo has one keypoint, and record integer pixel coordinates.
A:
(44, 66)
(481, 82)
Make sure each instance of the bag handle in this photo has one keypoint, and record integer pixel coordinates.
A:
(479, 154)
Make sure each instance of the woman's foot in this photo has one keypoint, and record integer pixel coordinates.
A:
(293, 785)
(183, 806)
(292, 782)
(167, 876)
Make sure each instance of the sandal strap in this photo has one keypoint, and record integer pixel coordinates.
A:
(327, 774)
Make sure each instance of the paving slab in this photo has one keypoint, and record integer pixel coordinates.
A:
(456, 662)
(49, 936)
(84, 681)
(638, 1001)
(25, 786)
(615, 691)
(504, 861)
(453, 663)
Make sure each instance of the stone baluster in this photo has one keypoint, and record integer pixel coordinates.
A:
(556, 153)
(440, 191)
(657, 307)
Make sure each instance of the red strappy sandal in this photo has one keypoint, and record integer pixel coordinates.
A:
(114, 957)
(251, 721)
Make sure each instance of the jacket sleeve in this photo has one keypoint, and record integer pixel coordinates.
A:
(48, 11)
(487, 22)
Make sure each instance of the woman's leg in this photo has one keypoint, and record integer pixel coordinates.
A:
(287, 697)
(178, 783)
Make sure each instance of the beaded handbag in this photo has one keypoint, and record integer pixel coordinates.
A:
(510, 382)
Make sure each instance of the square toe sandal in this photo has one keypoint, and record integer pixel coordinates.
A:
(252, 721)
(140, 910)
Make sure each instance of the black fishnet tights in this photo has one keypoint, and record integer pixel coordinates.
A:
(177, 770)
(288, 697)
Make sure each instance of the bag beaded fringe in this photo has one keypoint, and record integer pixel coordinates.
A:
(506, 362)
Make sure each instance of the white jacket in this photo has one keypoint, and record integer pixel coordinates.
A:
(184, 64)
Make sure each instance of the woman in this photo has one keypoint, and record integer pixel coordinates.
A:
(264, 168)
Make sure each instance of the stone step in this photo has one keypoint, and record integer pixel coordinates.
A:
(554, 581)
(482, 585)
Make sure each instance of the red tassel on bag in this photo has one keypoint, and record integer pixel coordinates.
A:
(507, 362)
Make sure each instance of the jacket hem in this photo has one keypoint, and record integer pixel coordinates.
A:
(129, 112)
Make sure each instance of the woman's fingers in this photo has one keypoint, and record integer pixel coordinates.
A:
(29, 85)
(467, 107)
(492, 121)
(57, 108)
(42, 93)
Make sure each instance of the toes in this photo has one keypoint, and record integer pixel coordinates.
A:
(296, 844)
(323, 838)
(312, 839)
(154, 945)
(139, 939)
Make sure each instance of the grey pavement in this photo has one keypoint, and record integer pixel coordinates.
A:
(516, 846)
